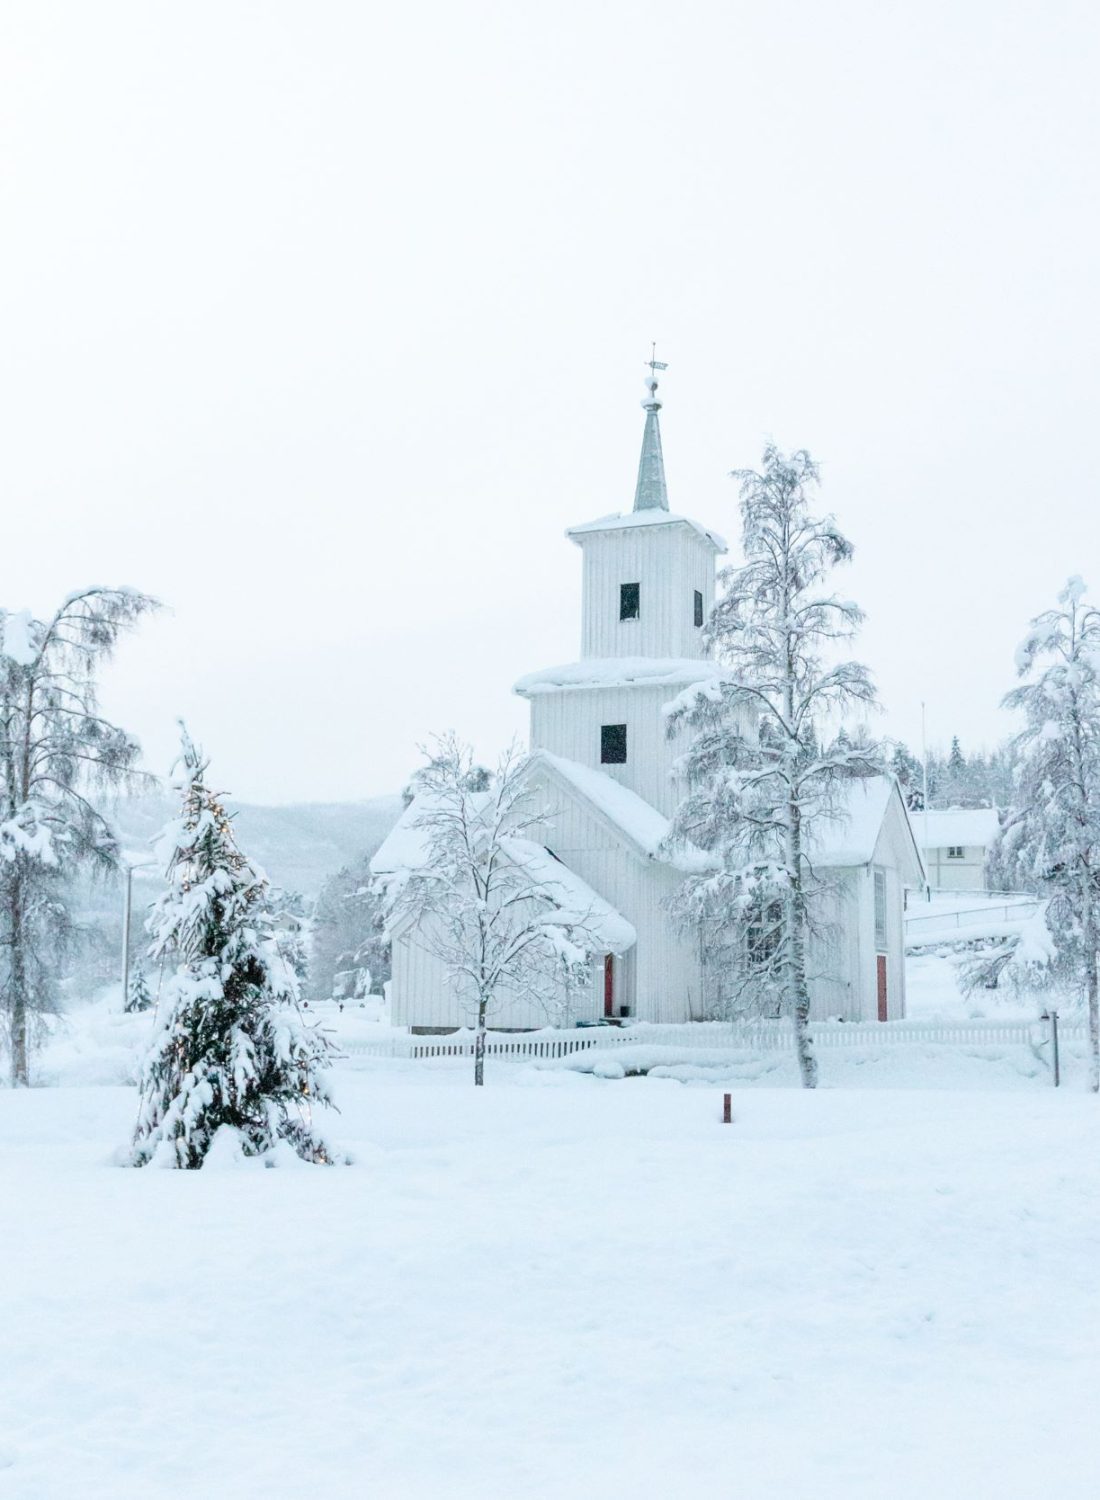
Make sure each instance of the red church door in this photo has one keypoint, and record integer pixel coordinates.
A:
(609, 985)
(883, 1011)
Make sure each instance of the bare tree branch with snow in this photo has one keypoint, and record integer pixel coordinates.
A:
(487, 898)
(56, 750)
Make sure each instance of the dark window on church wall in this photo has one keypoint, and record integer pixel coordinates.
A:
(698, 607)
(613, 744)
(629, 600)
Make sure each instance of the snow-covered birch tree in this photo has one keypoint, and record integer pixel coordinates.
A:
(230, 1066)
(1051, 840)
(486, 897)
(56, 751)
(757, 770)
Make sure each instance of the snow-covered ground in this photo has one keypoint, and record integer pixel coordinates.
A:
(560, 1286)
(932, 993)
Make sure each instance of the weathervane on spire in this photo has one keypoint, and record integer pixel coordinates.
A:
(654, 364)
(651, 492)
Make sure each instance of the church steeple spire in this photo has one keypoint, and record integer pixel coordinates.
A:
(651, 492)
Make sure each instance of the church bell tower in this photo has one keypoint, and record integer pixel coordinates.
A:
(647, 589)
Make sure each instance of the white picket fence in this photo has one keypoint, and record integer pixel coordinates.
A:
(714, 1036)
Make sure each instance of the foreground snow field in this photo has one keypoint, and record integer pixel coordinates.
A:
(560, 1286)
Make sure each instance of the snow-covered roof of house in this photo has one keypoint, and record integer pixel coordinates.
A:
(623, 521)
(849, 836)
(406, 848)
(960, 827)
(619, 671)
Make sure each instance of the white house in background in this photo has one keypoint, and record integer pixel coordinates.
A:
(955, 842)
(602, 768)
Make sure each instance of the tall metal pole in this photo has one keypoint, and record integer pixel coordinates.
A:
(126, 935)
(924, 754)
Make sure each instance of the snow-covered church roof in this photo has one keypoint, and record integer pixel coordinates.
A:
(620, 671)
(639, 822)
(406, 848)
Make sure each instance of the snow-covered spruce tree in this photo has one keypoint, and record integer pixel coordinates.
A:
(909, 772)
(1052, 836)
(476, 899)
(228, 1059)
(56, 750)
(139, 997)
(757, 772)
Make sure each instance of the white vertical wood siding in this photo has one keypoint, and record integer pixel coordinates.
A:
(833, 953)
(660, 978)
(668, 562)
(424, 993)
(567, 722)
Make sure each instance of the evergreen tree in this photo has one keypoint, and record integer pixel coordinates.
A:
(910, 776)
(757, 777)
(1052, 837)
(228, 1057)
(349, 950)
(56, 749)
(139, 997)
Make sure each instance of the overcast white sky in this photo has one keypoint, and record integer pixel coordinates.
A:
(321, 321)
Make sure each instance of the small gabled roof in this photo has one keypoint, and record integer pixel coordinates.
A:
(968, 827)
(849, 836)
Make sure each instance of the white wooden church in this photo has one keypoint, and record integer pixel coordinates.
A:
(602, 765)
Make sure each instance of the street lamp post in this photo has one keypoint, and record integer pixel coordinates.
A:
(127, 905)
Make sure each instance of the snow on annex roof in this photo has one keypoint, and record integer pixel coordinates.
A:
(624, 521)
(848, 837)
(620, 671)
(959, 827)
(406, 848)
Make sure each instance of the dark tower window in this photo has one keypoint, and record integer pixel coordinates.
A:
(613, 744)
(629, 600)
(698, 607)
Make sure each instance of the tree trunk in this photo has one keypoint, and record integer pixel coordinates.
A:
(20, 1071)
(1092, 942)
(479, 1045)
(798, 994)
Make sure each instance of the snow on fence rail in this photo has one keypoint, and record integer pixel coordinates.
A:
(972, 916)
(739, 1037)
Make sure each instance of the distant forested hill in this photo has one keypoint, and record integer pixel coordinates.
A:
(298, 845)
